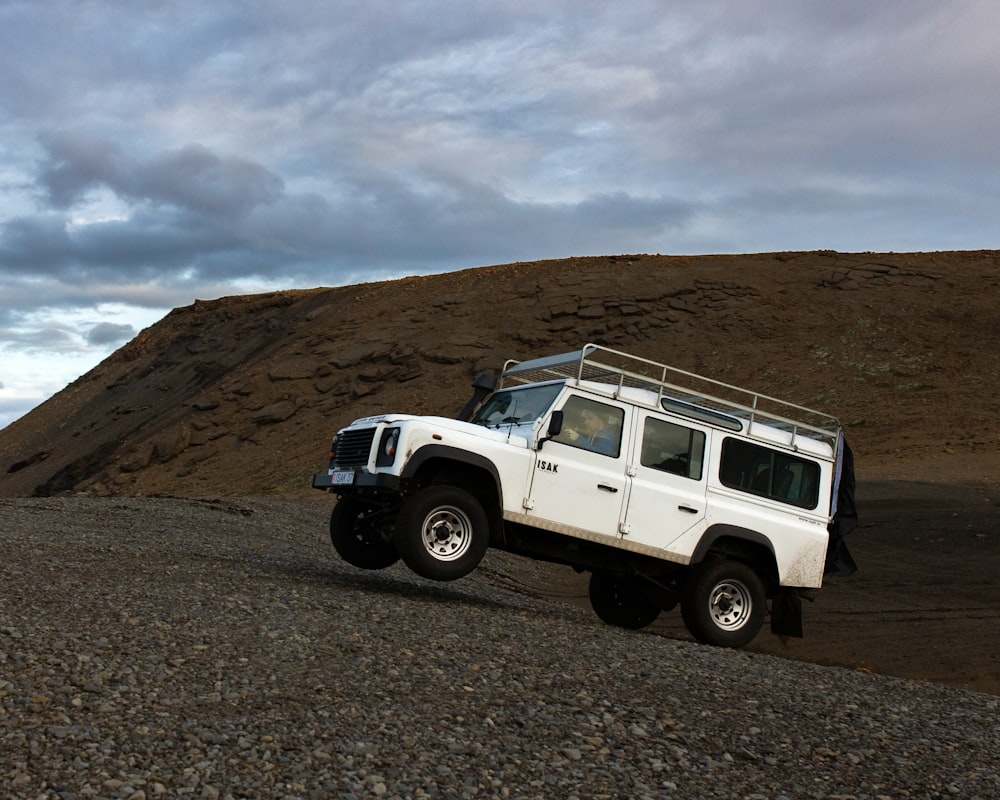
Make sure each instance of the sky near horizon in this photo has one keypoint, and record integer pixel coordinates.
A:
(156, 152)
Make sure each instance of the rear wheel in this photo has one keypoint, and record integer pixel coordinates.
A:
(358, 535)
(442, 533)
(624, 602)
(723, 603)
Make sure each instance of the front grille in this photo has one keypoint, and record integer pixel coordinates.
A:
(353, 447)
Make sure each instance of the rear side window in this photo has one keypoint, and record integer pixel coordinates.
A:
(672, 448)
(769, 473)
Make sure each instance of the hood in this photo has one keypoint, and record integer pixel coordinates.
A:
(501, 433)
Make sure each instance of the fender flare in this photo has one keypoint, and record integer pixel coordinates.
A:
(430, 451)
(722, 531)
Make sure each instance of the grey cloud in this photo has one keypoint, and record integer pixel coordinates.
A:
(105, 333)
(34, 242)
(184, 211)
(192, 177)
(46, 338)
(231, 218)
(195, 178)
(49, 336)
(137, 249)
(77, 163)
(447, 222)
(21, 298)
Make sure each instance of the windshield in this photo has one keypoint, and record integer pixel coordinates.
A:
(514, 406)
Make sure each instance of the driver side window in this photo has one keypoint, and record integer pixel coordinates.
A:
(592, 426)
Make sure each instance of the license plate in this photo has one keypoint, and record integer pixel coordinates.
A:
(342, 477)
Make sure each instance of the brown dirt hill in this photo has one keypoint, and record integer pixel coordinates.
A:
(241, 395)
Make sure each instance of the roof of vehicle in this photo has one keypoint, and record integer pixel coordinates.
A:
(687, 394)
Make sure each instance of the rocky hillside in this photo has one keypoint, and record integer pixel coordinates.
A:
(241, 395)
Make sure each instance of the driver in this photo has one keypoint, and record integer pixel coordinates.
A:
(592, 432)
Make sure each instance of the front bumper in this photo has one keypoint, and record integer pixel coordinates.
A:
(362, 480)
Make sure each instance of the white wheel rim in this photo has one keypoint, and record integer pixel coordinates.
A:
(730, 605)
(447, 533)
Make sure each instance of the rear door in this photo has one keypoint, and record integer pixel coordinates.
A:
(580, 480)
(667, 496)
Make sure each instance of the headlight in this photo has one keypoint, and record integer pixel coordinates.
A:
(387, 447)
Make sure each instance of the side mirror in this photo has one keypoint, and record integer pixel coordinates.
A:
(555, 423)
(555, 428)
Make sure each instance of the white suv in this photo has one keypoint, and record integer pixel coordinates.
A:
(666, 486)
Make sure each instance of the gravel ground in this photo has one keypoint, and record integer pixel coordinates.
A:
(217, 649)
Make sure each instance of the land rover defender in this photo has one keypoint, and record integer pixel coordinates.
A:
(668, 487)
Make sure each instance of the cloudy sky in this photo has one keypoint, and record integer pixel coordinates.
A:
(158, 151)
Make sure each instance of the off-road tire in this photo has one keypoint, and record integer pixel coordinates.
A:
(723, 603)
(358, 535)
(623, 602)
(442, 533)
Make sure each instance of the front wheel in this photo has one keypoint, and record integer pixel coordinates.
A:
(357, 533)
(442, 533)
(723, 603)
(622, 602)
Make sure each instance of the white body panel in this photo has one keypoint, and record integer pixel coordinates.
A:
(615, 500)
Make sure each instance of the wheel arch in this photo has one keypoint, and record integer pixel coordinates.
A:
(743, 544)
(473, 472)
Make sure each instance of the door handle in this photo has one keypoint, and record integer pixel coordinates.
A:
(688, 509)
(606, 488)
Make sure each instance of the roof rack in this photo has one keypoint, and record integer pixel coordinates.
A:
(681, 392)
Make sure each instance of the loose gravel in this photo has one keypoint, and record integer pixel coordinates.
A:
(218, 649)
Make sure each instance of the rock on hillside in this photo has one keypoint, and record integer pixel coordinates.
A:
(241, 395)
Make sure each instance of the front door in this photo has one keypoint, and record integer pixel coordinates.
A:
(580, 478)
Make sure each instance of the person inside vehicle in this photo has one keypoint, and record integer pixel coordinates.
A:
(592, 432)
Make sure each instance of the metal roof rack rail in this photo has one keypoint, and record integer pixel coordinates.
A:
(679, 391)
